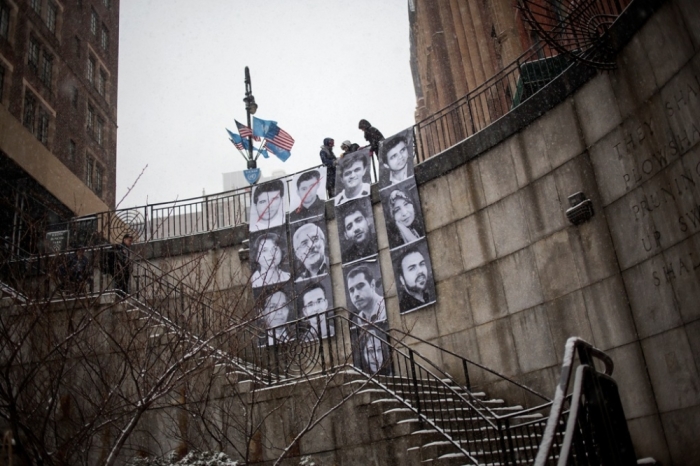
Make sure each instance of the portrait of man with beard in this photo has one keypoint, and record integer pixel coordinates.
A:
(310, 250)
(414, 274)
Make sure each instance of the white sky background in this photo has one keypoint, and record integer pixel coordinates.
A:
(317, 67)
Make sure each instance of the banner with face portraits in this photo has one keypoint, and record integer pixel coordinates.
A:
(398, 191)
(358, 239)
(289, 258)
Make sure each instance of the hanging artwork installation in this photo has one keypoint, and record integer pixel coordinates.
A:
(405, 227)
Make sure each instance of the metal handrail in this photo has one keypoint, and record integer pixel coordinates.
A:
(586, 353)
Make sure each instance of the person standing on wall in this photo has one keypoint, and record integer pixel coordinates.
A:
(373, 136)
(122, 263)
(329, 160)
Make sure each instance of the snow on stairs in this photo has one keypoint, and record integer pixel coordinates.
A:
(424, 444)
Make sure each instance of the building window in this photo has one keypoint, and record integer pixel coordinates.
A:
(71, 150)
(51, 13)
(101, 82)
(74, 97)
(89, 163)
(90, 119)
(36, 6)
(99, 130)
(104, 38)
(42, 127)
(46, 69)
(4, 19)
(91, 70)
(98, 179)
(107, 3)
(76, 45)
(29, 111)
(33, 54)
(93, 22)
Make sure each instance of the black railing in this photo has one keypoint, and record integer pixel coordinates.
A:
(596, 429)
(508, 88)
(480, 430)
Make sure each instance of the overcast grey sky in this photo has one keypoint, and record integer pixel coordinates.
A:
(317, 68)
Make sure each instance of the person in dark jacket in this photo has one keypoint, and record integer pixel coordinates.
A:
(122, 264)
(373, 136)
(328, 159)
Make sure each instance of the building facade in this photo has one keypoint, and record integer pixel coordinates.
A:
(58, 112)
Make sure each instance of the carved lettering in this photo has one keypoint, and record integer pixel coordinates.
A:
(657, 238)
(686, 265)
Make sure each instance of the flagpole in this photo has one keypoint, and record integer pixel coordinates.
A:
(250, 108)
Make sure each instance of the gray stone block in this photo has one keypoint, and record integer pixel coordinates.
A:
(555, 136)
(568, 318)
(380, 226)
(694, 330)
(466, 190)
(689, 11)
(648, 438)
(452, 310)
(463, 343)
(544, 207)
(672, 369)
(445, 253)
(421, 323)
(476, 240)
(596, 108)
(533, 341)
(338, 286)
(668, 46)
(530, 154)
(487, 297)
(556, 266)
(593, 251)
(636, 235)
(631, 87)
(496, 347)
(333, 241)
(681, 428)
(436, 212)
(632, 380)
(651, 297)
(684, 260)
(609, 313)
(509, 224)
(388, 279)
(521, 280)
(498, 171)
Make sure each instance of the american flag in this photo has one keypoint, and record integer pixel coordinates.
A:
(245, 131)
(280, 137)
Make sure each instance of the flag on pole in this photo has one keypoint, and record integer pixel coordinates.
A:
(281, 153)
(237, 140)
(279, 137)
(244, 131)
(261, 127)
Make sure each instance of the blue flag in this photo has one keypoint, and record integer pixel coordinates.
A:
(239, 142)
(281, 154)
(261, 127)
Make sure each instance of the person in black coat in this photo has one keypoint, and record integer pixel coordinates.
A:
(122, 263)
(328, 159)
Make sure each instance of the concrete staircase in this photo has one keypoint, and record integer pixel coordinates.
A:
(433, 437)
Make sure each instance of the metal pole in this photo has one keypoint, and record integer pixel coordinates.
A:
(249, 103)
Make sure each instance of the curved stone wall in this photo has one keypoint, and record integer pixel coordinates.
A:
(515, 278)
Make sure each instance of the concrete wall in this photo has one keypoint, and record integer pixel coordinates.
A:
(515, 279)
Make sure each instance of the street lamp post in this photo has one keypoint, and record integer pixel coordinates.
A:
(250, 108)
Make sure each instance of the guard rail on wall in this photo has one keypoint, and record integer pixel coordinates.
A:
(596, 428)
(334, 340)
(508, 88)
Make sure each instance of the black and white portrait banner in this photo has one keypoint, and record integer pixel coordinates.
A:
(413, 273)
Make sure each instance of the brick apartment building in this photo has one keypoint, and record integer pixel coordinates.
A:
(58, 112)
